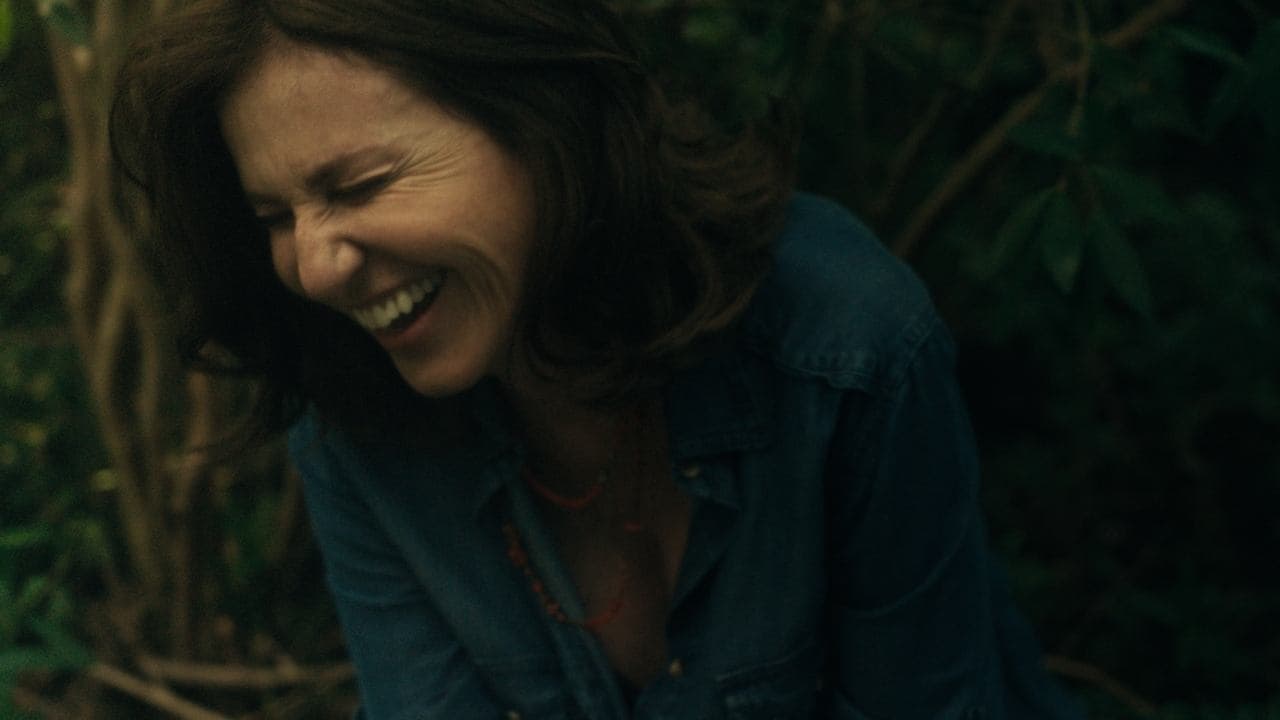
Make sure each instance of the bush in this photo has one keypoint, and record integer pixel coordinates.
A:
(1085, 185)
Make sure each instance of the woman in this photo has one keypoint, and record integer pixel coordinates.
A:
(595, 419)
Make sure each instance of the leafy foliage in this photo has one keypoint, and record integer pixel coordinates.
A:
(47, 539)
(1087, 186)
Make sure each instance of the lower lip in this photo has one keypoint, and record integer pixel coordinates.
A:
(414, 331)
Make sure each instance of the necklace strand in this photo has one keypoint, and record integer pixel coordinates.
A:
(564, 501)
(519, 557)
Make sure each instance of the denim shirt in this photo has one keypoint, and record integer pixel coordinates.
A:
(836, 564)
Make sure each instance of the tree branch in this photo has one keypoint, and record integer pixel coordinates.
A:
(53, 336)
(188, 472)
(991, 142)
(32, 701)
(1143, 22)
(1077, 670)
(828, 22)
(286, 516)
(155, 695)
(967, 169)
(910, 148)
(100, 318)
(240, 676)
(103, 360)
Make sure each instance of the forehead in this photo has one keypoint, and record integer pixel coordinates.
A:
(299, 107)
(291, 78)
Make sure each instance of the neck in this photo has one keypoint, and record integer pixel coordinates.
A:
(562, 432)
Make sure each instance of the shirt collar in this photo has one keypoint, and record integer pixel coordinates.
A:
(494, 453)
(721, 405)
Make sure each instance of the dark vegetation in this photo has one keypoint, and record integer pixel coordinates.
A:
(1086, 185)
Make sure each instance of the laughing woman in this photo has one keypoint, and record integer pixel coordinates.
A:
(596, 417)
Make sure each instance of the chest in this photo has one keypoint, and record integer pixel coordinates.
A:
(749, 562)
(624, 558)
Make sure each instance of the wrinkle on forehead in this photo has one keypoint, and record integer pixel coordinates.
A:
(302, 108)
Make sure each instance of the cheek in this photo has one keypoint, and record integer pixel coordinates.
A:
(284, 262)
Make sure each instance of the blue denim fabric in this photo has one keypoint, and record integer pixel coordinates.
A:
(836, 564)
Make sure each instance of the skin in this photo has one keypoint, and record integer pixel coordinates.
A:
(366, 186)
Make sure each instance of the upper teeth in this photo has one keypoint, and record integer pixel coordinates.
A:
(382, 314)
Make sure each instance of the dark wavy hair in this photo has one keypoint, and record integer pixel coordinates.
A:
(653, 227)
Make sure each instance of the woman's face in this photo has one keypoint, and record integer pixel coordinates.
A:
(384, 206)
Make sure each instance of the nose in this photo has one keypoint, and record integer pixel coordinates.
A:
(325, 256)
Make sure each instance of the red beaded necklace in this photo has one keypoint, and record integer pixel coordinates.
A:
(519, 557)
(564, 501)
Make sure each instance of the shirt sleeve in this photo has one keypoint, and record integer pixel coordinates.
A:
(913, 633)
(408, 663)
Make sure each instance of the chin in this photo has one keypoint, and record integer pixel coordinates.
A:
(434, 373)
(441, 382)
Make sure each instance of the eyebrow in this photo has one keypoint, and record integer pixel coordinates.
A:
(329, 173)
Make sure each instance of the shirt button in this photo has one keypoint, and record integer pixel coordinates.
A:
(691, 471)
(676, 668)
(513, 715)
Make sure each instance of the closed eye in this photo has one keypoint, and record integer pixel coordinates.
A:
(360, 192)
(271, 221)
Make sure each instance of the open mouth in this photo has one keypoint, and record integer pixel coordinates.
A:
(399, 311)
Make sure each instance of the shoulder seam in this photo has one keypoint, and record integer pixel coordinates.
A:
(856, 368)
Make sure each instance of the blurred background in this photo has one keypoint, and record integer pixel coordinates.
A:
(1087, 186)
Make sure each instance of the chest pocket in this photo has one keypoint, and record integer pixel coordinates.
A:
(529, 687)
(780, 689)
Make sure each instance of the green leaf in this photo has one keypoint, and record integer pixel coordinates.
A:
(711, 27)
(62, 648)
(1134, 197)
(6, 28)
(32, 592)
(650, 6)
(1163, 110)
(91, 543)
(23, 658)
(68, 20)
(1217, 215)
(1013, 234)
(19, 538)
(1046, 139)
(1121, 265)
(1061, 241)
(1264, 62)
(9, 619)
(1212, 46)
(1227, 101)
